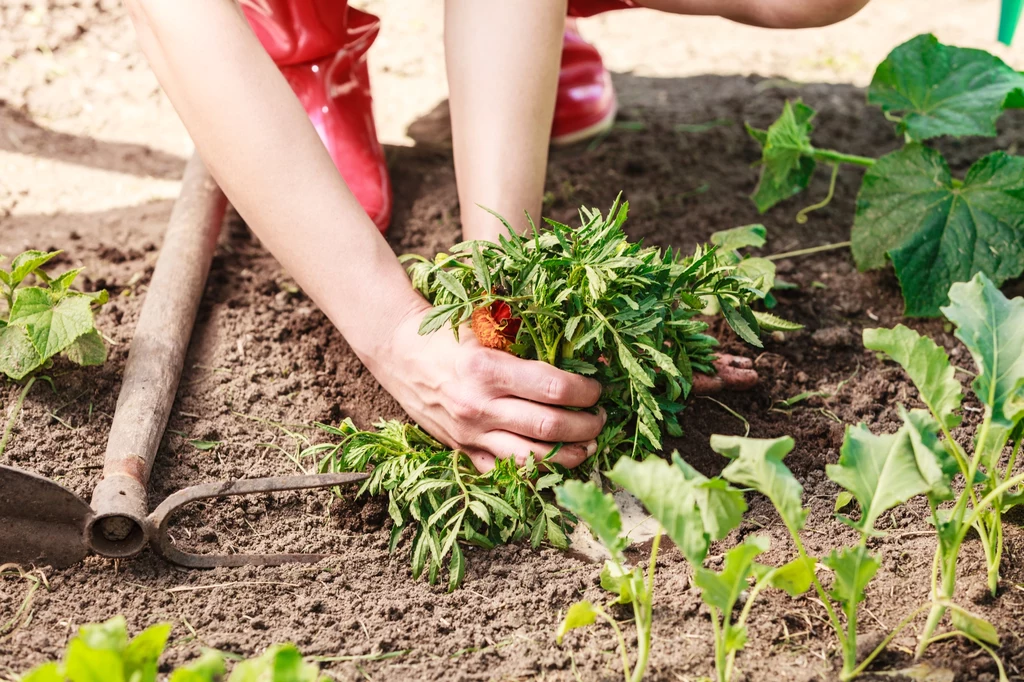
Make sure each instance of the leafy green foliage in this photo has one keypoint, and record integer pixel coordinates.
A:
(721, 591)
(757, 463)
(598, 511)
(787, 160)
(591, 301)
(885, 471)
(992, 328)
(927, 365)
(45, 320)
(102, 652)
(935, 229)
(943, 90)
(852, 568)
(437, 494)
(938, 230)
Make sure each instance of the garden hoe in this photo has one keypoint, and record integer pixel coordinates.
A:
(42, 522)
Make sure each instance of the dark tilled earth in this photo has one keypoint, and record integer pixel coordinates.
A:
(264, 362)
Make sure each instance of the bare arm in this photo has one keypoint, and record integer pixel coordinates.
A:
(503, 60)
(257, 142)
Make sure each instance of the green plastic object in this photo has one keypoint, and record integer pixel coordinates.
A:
(1009, 16)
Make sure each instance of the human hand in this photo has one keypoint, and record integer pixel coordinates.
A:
(487, 403)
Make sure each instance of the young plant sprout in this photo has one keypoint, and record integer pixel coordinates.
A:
(43, 321)
(992, 328)
(935, 228)
(590, 301)
(693, 511)
(103, 651)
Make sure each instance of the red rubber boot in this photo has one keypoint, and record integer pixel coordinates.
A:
(320, 47)
(586, 103)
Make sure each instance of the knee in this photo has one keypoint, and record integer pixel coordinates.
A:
(806, 13)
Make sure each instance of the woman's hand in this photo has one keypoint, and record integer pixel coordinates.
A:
(487, 403)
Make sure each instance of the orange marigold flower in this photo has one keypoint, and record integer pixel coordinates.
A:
(494, 325)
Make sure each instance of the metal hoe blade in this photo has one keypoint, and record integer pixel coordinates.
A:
(161, 542)
(41, 522)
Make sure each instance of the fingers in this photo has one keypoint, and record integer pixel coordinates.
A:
(503, 445)
(734, 373)
(538, 381)
(545, 423)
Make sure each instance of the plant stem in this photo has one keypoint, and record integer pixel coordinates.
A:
(831, 156)
(808, 251)
(644, 636)
(801, 217)
(13, 416)
(622, 641)
(884, 643)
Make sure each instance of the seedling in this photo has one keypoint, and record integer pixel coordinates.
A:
(589, 301)
(935, 228)
(43, 321)
(102, 651)
(437, 492)
(992, 328)
(694, 511)
(884, 471)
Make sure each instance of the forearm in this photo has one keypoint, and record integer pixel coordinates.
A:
(258, 143)
(503, 60)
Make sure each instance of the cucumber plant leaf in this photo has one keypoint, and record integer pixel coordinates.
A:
(721, 590)
(974, 625)
(757, 463)
(943, 90)
(937, 230)
(580, 615)
(992, 328)
(794, 577)
(787, 161)
(927, 365)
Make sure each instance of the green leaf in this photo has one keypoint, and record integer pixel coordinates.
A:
(795, 577)
(663, 361)
(456, 568)
(480, 269)
(204, 445)
(207, 668)
(52, 328)
(27, 262)
(740, 324)
(880, 471)
(787, 161)
(740, 238)
(636, 372)
(278, 664)
(854, 567)
(943, 90)
(580, 614)
(47, 672)
(143, 653)
(436, 317)
(757, 463)
(669, 498)
(974, 625)
(721, 590)
(992, 328)
(927, 365)
(88, 350)
(774, 323)
(83, 663)
(110, 635)
(18, 357)
(622, 582)
(596, 509)
(721, 505)
(843, 499)
(936, 230)
(454, 286)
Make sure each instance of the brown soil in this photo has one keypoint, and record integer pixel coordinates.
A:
(264, 356)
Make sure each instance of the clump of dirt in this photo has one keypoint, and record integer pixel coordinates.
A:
(264, 363)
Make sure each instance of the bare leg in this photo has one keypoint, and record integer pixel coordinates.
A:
(734, 374)
(765, 13)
